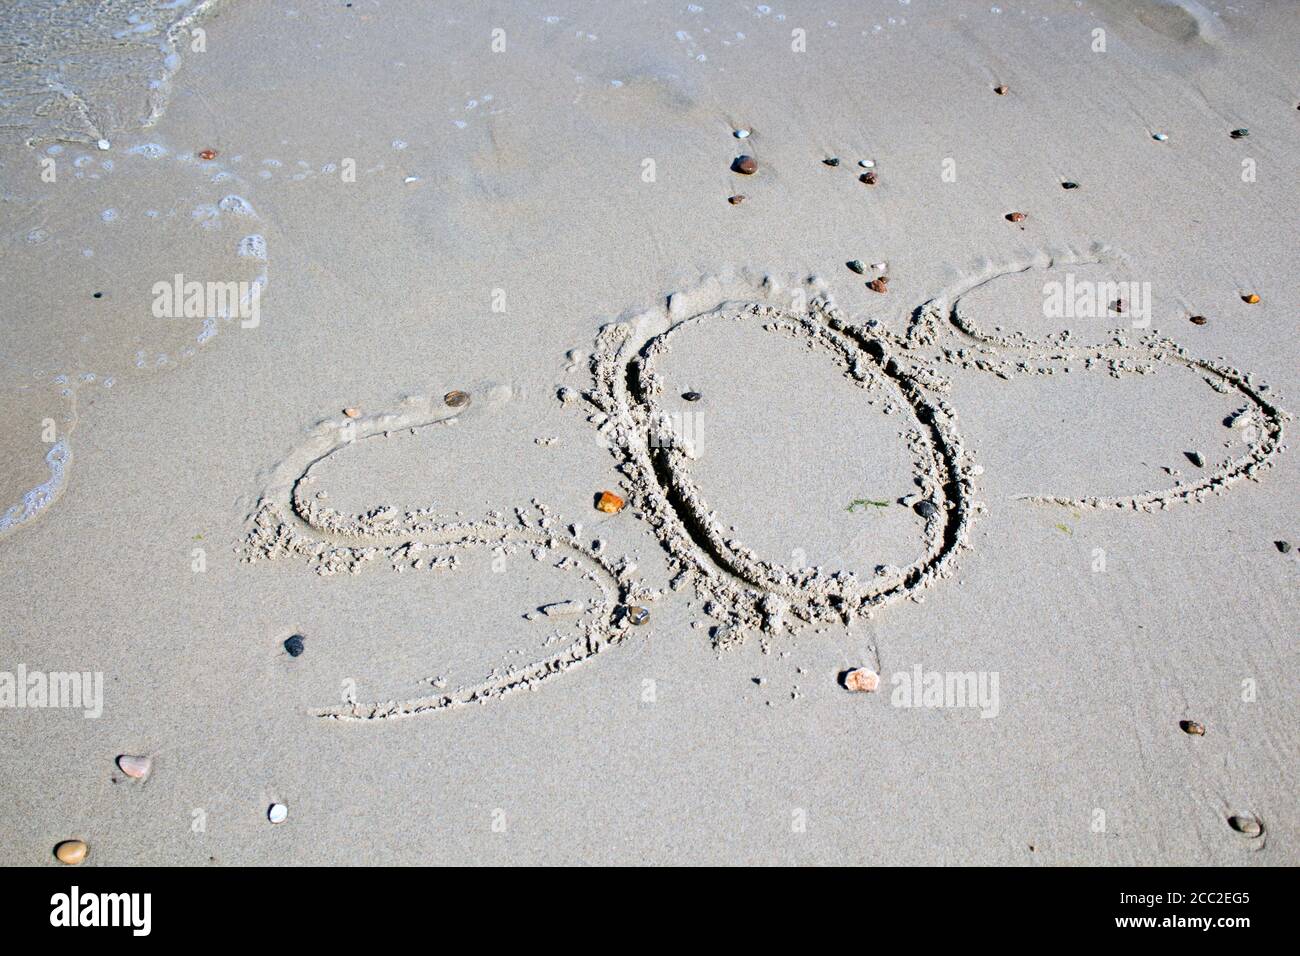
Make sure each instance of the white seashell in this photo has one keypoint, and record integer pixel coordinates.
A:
(278, 813)
(867, 163)
(742, 134)
(135, 767)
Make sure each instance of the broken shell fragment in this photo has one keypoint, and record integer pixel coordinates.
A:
(277, 813)
(736, 200)
(745, 165)
(1192, 728)
(71, 852)
(563, 608)
(352, 412)
(609, 503)
(861, 680)
(137, 768)
(1016, 217)
(1239, 133)
(1000, 89)
(456, 399)
(1160, 137)
(1250, 298)
(637, 614)
(1246, 824)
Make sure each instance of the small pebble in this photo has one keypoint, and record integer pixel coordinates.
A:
(736, 200)
(137, 768)
(867, 163)
(831, 160)
(1195, 458)
(1283, 546)
(1198, 320)
(1160, 137)
(566, 394)
(741, 134)
(207, 154)
(926, 509)
(692, 396)
(857, 266)
(609, 503)
(1239, 133)
(71, 852)
(1246, 824)
(879, 285)
(103, 144)
(456, 399)
(1016, 217)
(745, 165)
(880, 266)
(1192, 728)
(1000, 90)
(1069, 184)
(277, 813)
(1250, 298)
(352, 412)
(294, 646)
(868, 177)
(861, 680)
(638, 615)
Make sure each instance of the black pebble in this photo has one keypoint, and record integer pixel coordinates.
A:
(98, 295)
(294, 645)
(1069, 185)
(1283, 546)
(692, 396)
(926, 509)
(1195, 458)
(831, 161)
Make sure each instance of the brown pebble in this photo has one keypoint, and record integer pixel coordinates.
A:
(879, 285)
(868, 177)
(745, 165)
(1250, 298)
(1192, 728)
(609, 503)
(1016, 217)
(71, 852)
(736, 200)
(1000, 90)
(456, 399)
(352, 412)
(861, 680)
(207, 154)
(1198, 320)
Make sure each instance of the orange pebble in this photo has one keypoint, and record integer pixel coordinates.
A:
(609, 503)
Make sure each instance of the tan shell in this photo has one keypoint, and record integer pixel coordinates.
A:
(71, 852)
(134, 767)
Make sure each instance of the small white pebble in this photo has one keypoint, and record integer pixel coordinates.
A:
(742, 134)
(278, 813)
(867, 163)
(103, 144)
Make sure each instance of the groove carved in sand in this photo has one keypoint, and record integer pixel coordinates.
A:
(741, 590)
(289, 520)
(944, 323)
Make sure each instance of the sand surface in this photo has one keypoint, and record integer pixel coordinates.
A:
(528, 202)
